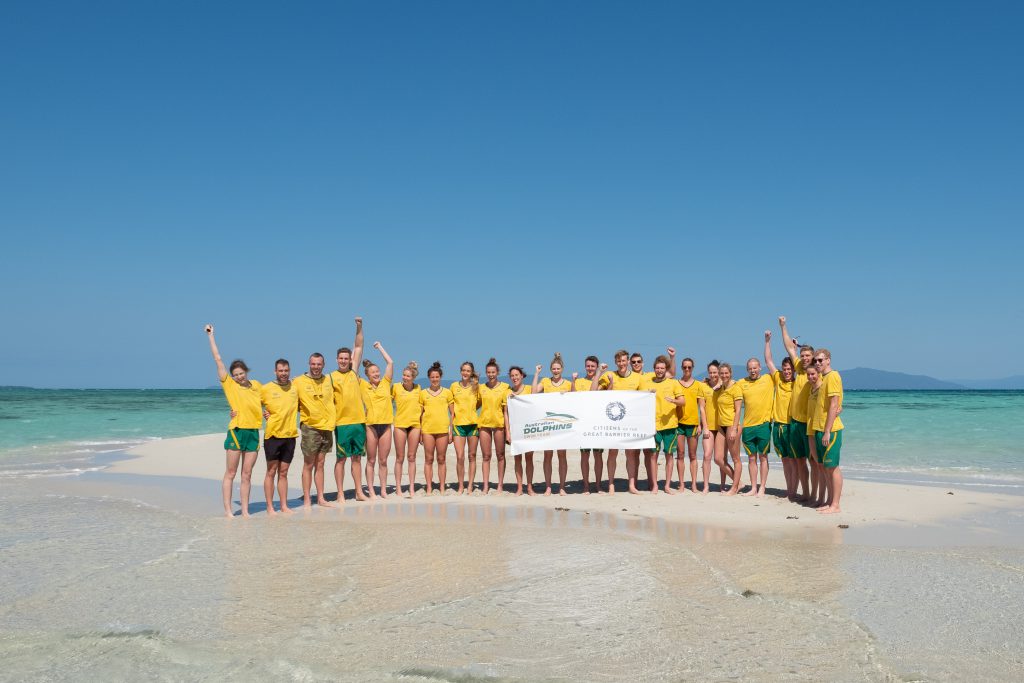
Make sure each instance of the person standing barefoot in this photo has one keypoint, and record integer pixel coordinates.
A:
(783, 380)
(689, 416)
(668, 397)
(316, 429)
(280, 407)
(516, 375)
(493, 402)
(828, 428)
(728, 404)
(623, 379)
(758, 399)
(556, 384)
(406, 396)
(465, 425)
(438, 407)
(376, 391)
(243, 440)
(798, 412)
(590, 382)
(709, 435)
(349, 416)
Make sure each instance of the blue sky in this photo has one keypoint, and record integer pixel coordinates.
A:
(507, 179)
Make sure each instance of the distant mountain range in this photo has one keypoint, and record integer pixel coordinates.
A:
(869, 378)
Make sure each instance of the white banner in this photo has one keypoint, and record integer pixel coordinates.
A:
(581, 419)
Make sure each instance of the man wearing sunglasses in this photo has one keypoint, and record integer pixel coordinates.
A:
(827, 428)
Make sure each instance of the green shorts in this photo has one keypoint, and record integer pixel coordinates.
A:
(829, 457)
(595, 451)
(350, 440)
(798, 439)
(465, 430)
(756, 439)
(687, 430)
(242, 440)
(780, 440)
(665, 440)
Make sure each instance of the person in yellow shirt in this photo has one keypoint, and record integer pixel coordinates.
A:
(349, 417)
(758, 400)
(828, 429)
(783, 380)
(376, 392)
(556, 384)
(438, 406)
(243, 439)
(623, 379)
(316, 427)
(706, 400)
(802, 357)
(728, 404)
(280, 408)
(516, 375)
(636, 364)
(814, 393)
(406, 396)
(691, 424)
(668, 398)
(590, 382)
(493, 400)
(466, 424)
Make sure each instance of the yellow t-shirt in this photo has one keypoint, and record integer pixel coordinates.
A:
(245, 402)
(377, 401)
(348, 399)
(710, 411)
(407, 406)
(725, 404)
(467, 400)
(801, 392)
(630, 382)
(689, 412)
(283, 405)
(435, 410)
(492, 405)
(583, 384)
(758, 397)
(548, 387)
(664, 412)
(783, 396)
(526, 389)
(819, 402)
(316, 401)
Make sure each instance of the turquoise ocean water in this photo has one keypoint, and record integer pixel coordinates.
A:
(969, 438)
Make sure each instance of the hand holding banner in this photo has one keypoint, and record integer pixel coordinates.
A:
(581, 419)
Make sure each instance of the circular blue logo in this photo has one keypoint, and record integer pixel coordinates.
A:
(615, 411)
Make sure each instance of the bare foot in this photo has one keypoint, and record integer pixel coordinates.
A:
(751, 492)
(360, 496)
(519, 490)
(671, 491)
(760, 494)
(287, 510)
(586, 491)
(323, 502)
(245, 513)
(693, 488)
(830, 510)
(487, 492)
(271, 512)
(229, 514)
(632, 489)
(383, 494)
(547, 491)
(307, 503)
(562, 492)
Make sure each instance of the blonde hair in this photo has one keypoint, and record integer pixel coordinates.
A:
(620, 353)
(825, 352)
(557, 359)
(414, 368)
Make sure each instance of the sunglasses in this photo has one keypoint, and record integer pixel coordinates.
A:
(637, 361)
(819, 360)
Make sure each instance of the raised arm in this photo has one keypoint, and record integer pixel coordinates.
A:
(357, 345)
(536, 381)
(671, 361)
(788, 341)
(768, 360)
(575, 376)
(596, 384)
(389, 371)
(222, 372)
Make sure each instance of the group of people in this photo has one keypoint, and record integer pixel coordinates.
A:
(794, 409)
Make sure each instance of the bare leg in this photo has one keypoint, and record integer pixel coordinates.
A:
(486, 444)
(356, 468)
(268, 486)
(410, 458)
(472, 442)
(632, 465)
(613, 455)
(320, 461)
(529, 472)
(585, 469)
(800, 468)
(720, 455)
(670, 466)
(835, 475)
(762, 461)
(517, 466)
(650, 469)
(499, 451)
(231, 460)
(441, 447)
(339, 477)
(308, 462)
(371, 460)
(563, 472)
(428, 461)
(282, 486)
(548, 455)
(460, 462)
(737, 463)
(401, 438)
(248, 460)
(383, 449)
(598, 468)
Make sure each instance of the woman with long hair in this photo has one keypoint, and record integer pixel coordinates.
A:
(516, 375)
(728, 404)
(493, 400)
(556, 384)
(243, 439)
(406, 395)
(465, 423)
(376, 390)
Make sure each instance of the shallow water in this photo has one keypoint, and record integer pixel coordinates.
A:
(100, 585)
